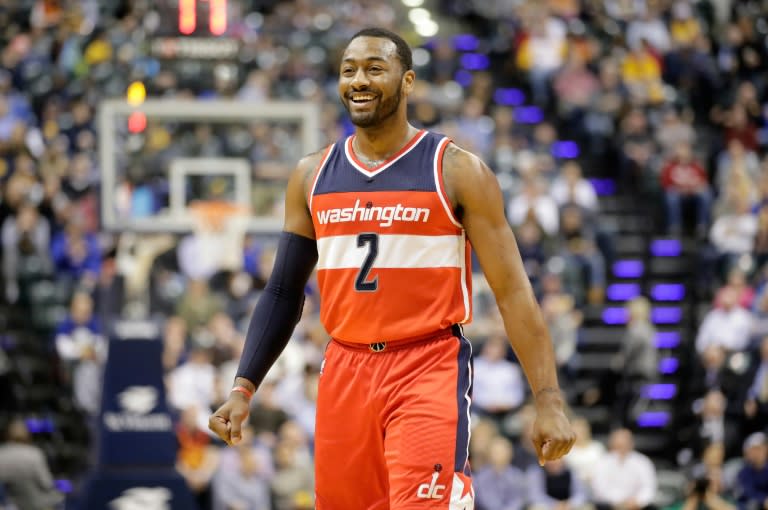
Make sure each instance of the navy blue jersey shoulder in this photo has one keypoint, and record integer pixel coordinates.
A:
(414, 171)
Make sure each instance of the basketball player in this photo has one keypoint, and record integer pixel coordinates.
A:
(387, 215)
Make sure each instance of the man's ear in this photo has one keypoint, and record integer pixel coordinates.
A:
(409, 80)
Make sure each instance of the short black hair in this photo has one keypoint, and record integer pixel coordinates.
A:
(403, 49)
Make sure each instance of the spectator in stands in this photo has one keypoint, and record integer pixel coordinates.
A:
(760, 317)
(534, 203)
(733, 233)
(305, 409)
(711, 372)
(738, 126)
(638, 359)
(193, 384)
(530, 243)
(642, 74)
(267, 415)
(683, 178)
(574, 85)
(316, 341)
(500, 485)
(637, 150)
(760, 250)
(712, 460)
(24, 471)
(555, 487)
(525, 453)
(650, 29)
(197, 459)
(624, 477)
(584, 271)
(740, 187)
(484, 431)
(746, 95)
(704, 492)
(605, 106)
(26, 234)
(541, 52)
(636, 363)
(752, 482)
(80, 330)
(292, 433)
(728, 327)
(735, 156)
(292, 477)
(174, 342)
(198, 305)
(76, 254)
(756, 404)
(563, 322)
(224, 336)
(673, 131)
(87, 380)
(709, 424)
(8, 400)
(474, 127)
(572, 188)
(242, 478)
(498, 384)
(737, 281)
(586, 452)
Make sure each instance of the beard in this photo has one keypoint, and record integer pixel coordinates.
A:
(384, 109)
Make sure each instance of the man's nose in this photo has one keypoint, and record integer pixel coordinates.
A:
(360, 80)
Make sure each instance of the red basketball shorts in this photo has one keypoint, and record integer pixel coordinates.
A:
(393, 427)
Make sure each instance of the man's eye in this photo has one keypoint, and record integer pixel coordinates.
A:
(375, 69)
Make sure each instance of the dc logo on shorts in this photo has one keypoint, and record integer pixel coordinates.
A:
(431, 490)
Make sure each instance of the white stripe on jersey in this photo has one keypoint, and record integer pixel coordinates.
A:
(394, 251)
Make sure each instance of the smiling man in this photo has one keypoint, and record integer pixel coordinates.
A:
(387, 215)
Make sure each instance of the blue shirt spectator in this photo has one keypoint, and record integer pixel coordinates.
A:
(76, 253)
(500, 486)
(752, 481)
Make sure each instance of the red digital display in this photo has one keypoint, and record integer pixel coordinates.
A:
(217, 16)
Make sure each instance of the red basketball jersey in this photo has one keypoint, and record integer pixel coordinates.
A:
(394, 262)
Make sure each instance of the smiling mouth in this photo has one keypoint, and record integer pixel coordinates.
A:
(362, 98)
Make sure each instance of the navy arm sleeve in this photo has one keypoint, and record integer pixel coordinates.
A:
(279, 308)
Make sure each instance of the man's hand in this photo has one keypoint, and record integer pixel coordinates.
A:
(227, 421)
(553, 436)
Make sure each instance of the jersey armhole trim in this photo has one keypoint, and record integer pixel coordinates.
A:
(439, 185)
(318, 171)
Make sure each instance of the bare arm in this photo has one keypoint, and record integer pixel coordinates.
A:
(475, 193)
(297, 216)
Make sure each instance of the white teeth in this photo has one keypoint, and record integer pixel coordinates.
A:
(362, 98)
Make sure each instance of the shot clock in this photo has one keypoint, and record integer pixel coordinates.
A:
(188, 19)
(195, 29)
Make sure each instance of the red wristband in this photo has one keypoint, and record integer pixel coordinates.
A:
(245, 391)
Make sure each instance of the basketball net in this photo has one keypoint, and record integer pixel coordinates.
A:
(221, 227)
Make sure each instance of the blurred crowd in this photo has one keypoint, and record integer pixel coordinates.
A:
(666, 100)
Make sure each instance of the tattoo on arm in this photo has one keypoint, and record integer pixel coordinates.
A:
(309, 172)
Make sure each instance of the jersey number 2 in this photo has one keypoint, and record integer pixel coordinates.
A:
(361, 283)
